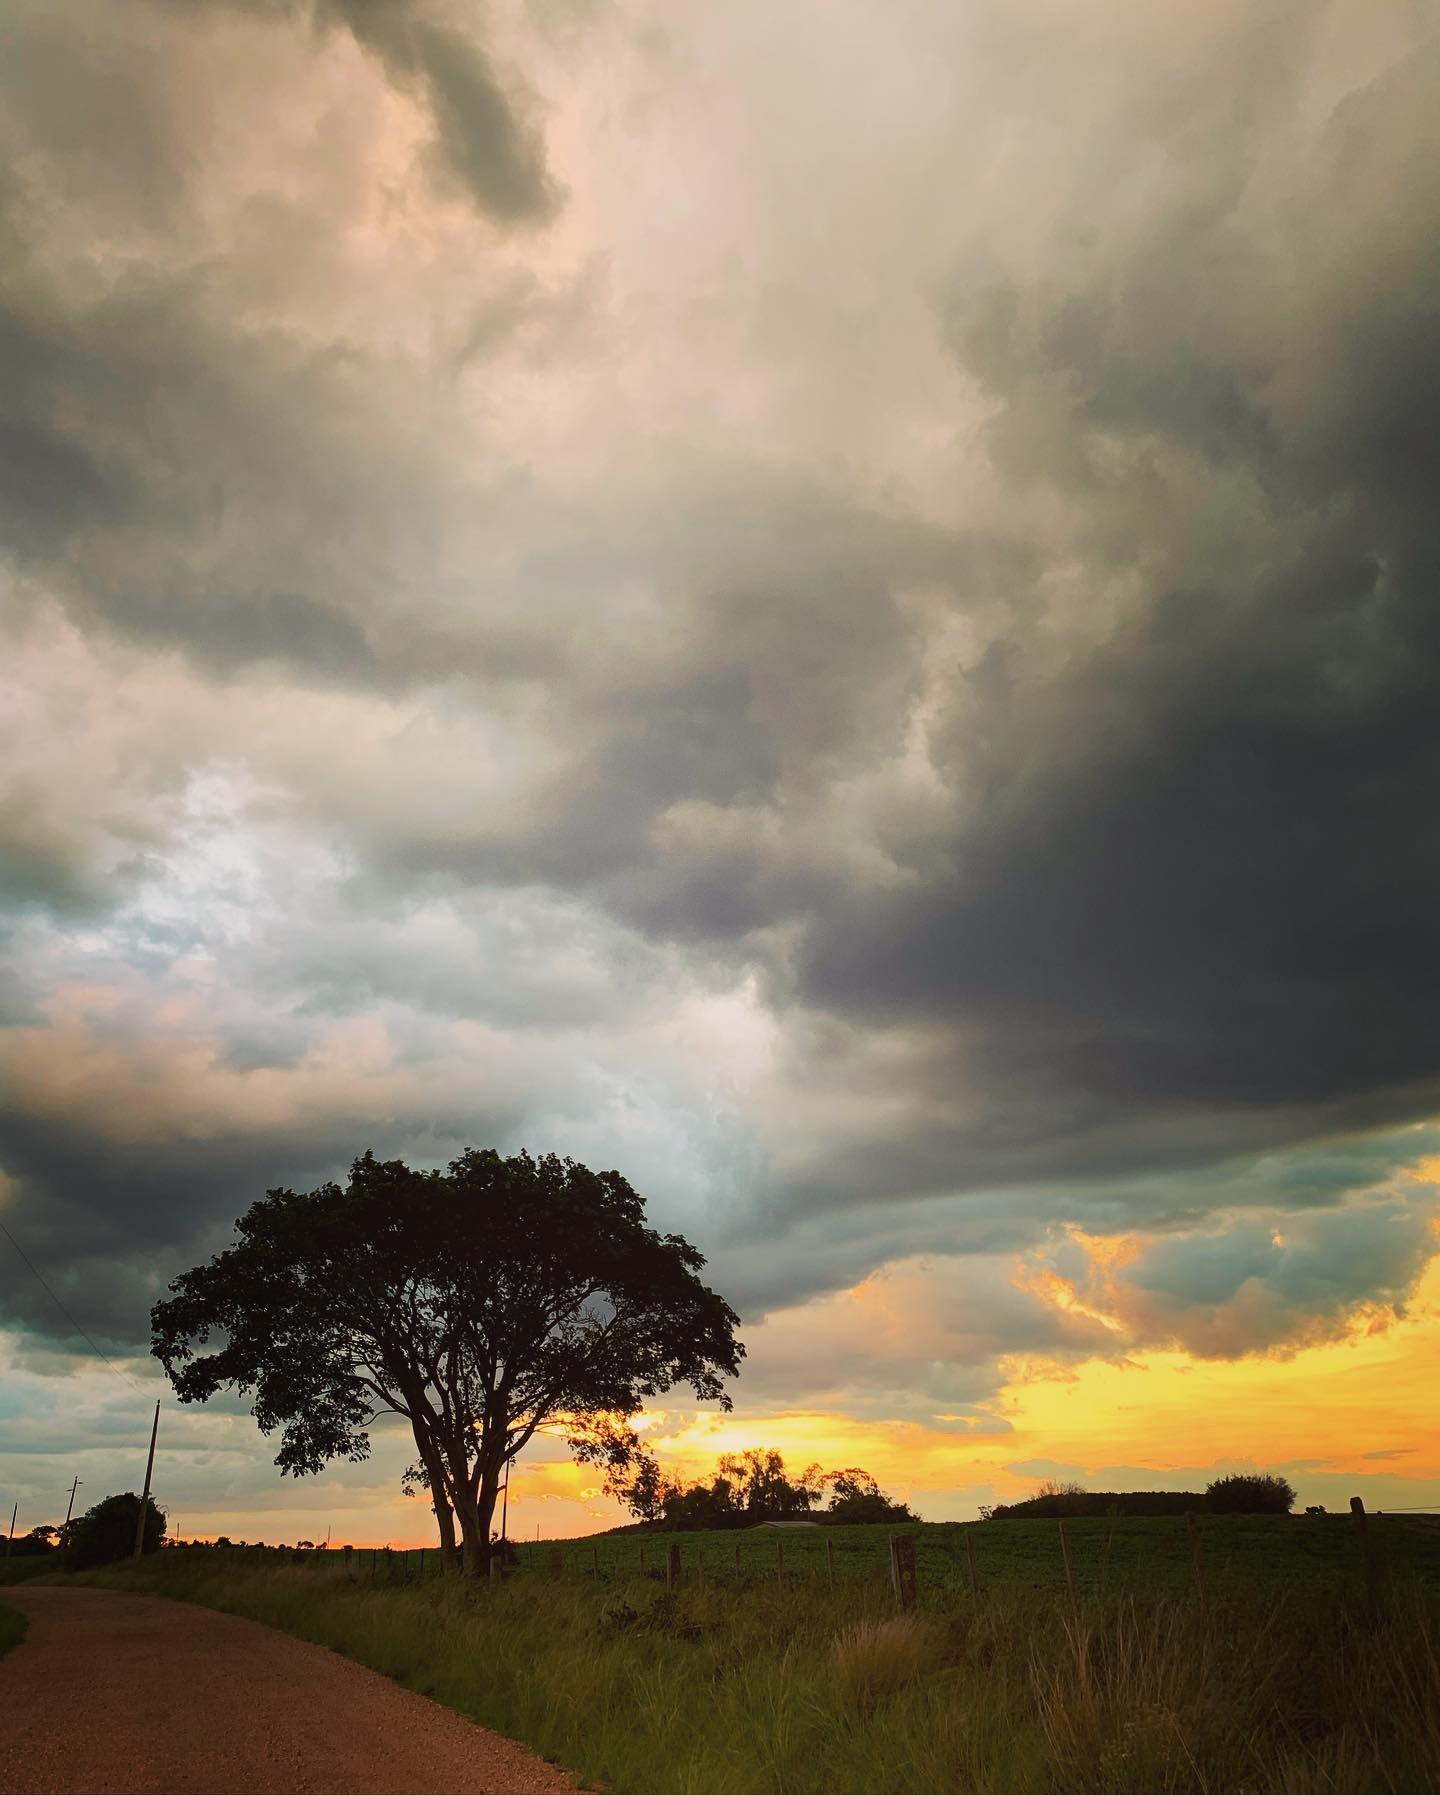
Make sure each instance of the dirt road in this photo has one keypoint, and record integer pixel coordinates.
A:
(131, 1694)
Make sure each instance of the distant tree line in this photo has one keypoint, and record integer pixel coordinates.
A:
(747, 1489)
(104, 1534)
(1243, 1493)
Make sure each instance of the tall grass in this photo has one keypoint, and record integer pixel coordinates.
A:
(789, 1688)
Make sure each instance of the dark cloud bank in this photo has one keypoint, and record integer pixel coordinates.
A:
(1168, 903)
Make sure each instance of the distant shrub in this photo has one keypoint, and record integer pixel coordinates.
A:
(876, 1659)
(1250, 1493)
(1073, 1503)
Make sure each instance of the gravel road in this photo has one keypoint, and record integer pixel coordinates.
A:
(116, 1694)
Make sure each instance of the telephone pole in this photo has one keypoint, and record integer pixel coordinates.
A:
(70, 1505)
(145, 1499)
(10, 1536)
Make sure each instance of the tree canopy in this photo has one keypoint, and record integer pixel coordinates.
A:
(105, 1534)
(1250, 1493)
(482, 1304)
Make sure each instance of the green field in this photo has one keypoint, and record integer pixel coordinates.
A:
(1106, 1557)
(1116, 1556)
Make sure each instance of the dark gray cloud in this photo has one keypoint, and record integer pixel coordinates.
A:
(1189, 871)
(488, 147)
(1012, 670)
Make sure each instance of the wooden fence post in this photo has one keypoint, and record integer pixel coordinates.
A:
(902, 1570)
(672, 1566)
(970, 1560)
(1367, 1547)
(779, 1557)
(1069, 1567)
(830, 1562)
(595, 1560)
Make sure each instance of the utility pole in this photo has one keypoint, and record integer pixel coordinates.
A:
(70, 1505)
(10, 1536)
(145, 1499)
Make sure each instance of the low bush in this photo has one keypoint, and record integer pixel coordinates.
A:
(1073, 1504)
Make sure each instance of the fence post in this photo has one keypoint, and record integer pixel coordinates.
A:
(1069, 1568)
(1367, 1546)
(595, 1560)
(970, 1559)
(830, 1562)
(672, 1566)
(779, 1557)
(557, 1559)
(737, 1558)
(902, 1570)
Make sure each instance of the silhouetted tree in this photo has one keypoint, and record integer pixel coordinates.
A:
(748, 1488)
(105, 1533)
(1250, 1493)
(482, 1304)
(856, 1499)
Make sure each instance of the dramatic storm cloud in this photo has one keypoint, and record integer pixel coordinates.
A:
(834, 606)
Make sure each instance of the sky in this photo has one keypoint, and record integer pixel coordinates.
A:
(833, 606)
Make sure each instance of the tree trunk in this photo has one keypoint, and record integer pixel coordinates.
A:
(445, 1521)
(475, 1514)
(439, 1498)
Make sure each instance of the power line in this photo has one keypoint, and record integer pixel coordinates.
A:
(98, 1350)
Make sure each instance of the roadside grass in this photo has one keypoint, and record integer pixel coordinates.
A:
(21, 1570)
(12, 1629)
(788, 1687)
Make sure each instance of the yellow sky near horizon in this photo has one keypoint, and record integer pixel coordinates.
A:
(1357, 1409)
